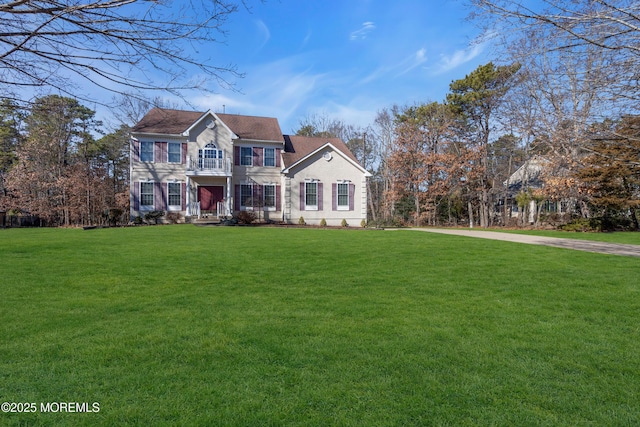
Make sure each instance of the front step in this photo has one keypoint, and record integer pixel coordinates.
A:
(206, 221)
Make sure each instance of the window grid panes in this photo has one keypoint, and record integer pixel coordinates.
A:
(311, 194)
(175, 152)
(146, 151)
(269, 156)
(343, 195)
(146, 193)
(246, 195)
(174, 194)
(246, 156)
(269, 196)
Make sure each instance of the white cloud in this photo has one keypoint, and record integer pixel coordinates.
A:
(363, 32)
(457, 58)
(414, 60)
(264, 32)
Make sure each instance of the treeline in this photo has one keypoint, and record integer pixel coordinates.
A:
(560, 102)
(54, 169)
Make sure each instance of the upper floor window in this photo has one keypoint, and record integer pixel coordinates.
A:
(269, 156)
(210, 157)
(146, 151)
(175, 152)
(246, 156)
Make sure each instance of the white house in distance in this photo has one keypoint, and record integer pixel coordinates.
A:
(205, 163)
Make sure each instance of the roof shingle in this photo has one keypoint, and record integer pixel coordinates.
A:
(175, 122)
(297, 147)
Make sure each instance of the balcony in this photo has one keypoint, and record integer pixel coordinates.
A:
(208, 167)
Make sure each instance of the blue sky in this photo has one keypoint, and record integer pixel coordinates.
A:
(346, 59)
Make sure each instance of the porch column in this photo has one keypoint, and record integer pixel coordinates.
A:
(188, 196)
(227, 201)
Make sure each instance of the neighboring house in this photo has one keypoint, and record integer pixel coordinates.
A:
(205, 163)
(529, 177)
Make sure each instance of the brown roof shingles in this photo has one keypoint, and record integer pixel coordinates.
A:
(298, 147)
(175, 122)
(252, 127)
(163, 121)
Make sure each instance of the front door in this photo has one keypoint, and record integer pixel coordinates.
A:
(209, 196)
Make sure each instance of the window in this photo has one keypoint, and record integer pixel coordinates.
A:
(311, 195)
(343, 196)
(175, 199)
(269, 156)
(175, 152)
(146, 194)
(246, 196)
(210, 157)
(146, 151)
(269, 196)
(246, 156)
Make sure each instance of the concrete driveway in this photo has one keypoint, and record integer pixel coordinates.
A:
(579, 245)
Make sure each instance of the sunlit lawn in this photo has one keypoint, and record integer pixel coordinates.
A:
(181, 325)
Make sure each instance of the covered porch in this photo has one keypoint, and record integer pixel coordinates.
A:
(209, 197)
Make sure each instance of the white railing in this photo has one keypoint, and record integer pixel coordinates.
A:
(210, 165)
(195, 209)
(222, 210)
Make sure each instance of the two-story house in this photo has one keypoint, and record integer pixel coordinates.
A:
(205, 163)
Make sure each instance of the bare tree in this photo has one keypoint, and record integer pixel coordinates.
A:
(115, 45)
(610, 26)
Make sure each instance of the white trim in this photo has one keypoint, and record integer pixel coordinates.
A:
(340, 207)
(308, 207)
(179, 152)
(324, 147)
(241, 156)
(215, 117)
(177, 207)
(153, 152)
(152, 206)
(264, 157)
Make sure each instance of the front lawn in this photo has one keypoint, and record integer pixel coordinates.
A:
(181, 325)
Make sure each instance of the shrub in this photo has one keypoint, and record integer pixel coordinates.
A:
(153, 216)
(323, 222)
(173, 217)
(363, 223)
(246, 217)
(301, 221)
(137, 220)
(114, 215)
(580, 224)
(344, 223)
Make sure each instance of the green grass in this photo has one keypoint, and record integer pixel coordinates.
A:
(180, 325)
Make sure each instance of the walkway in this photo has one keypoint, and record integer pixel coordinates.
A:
(580, 245)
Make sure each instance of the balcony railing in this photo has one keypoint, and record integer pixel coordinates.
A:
(219, 167)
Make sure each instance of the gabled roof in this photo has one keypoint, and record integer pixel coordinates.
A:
(176, 122)
(253, 127)
(298, 148)
(165, 121)
(528, 173)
